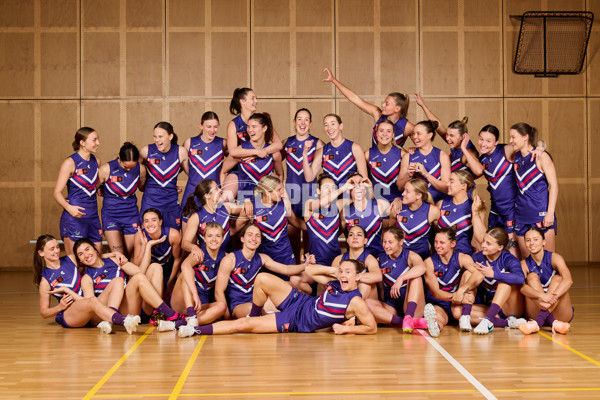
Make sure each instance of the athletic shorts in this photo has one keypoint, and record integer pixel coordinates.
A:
(60, 319)
(126, 224)
(444, 305)
(521, 228)
(287, 318)
(506, 221)
(78, 228)
(206, 296)
(398, 303)
(237, 299)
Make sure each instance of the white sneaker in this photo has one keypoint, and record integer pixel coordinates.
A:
(192, 321)
(186, 331)
(164, 326)
(464, 323)
(131, 323)
(514, 322)
(485, 326)
(105, 327)
(432, 325)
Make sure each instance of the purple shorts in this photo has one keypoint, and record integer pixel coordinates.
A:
(126, 224)
(398, 303)
(287, 318)
(521, 228)
(78, 228)
(60, 319)
(505, 221)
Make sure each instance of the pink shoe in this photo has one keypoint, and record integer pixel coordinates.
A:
(408, 324)
(420, 323)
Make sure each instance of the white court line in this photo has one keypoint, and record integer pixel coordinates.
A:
(482, 389)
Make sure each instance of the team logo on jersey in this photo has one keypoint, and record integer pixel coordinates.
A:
(330, 289)
(81, 171)
(116, 179)
(99, 278)
(196, 152)
(375, 164)
(291, 150)
(286, 328)
(510, 223)
(239, 270)
(538, 224)
(318, 216)
(241, 135)
(352, 222)
(517, 166)
(202, 267)
(485, 166)
(402, 219)
(329, 157)
(154, 161)
(445, 213)
(177, 221)
(203, 226)
(262, 218)
(439, 274)
(386, 270)
(57, 281)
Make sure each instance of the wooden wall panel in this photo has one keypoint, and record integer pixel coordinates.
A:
(59, 120)
(571, 219)
(483, 64)
(314, 51)
(399, 68)
(269, 13)
(59, 64)
(17, 141)
(519, 110)
(355, 13)
(186, 64)
(101, 13)
(592, 61)
(440, 53)
(515, 84)
(229, 13)
(18, 214)
(105, 117)
(358, 126)
(312, 13)
(439, 13)
(16, 64)
(594, 222)
(189, 13)
(355, 61)
(59, 13)
(101, 60)
(481, 113)
(230, 66)
(16, 13)
(567, 134)
(141, 118)
(398, 13)
(483, 13)
(594, 137)
(185, 116)
(144, 13)
(145, 60)
(50, 217)
(271, 64)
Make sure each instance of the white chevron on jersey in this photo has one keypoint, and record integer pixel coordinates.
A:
(164, 172)
(329, 304)
(91, 181)
(325, 227)
(457, 222)
(493, 174)
(273, 227)
(205, 163)
(241, 288)
(521, 177)
(124, 188)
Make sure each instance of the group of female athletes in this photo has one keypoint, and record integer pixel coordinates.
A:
(418, 253)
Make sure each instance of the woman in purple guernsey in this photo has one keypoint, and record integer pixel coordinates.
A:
(206, 153)
(383, 162)
(537, 187)
(546, 288)
(394, 108)
(238, 271)
(164, 160)
(166, 253)
(252, 168)
(451, 278)
(403, 294)
(339, 158)
(427, 163)
(120, 179)
(298, 188)
(194, 292)
(139, 291)
(59, 277)
(79, 173)
(298, 312)
(356, 241)
(416, 217)
(458, 210)
(498, 295)
(243, 105)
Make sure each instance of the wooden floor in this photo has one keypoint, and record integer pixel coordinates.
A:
(41, 360)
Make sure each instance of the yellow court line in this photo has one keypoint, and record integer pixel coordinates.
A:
(102, 381)
(570, 349)
(187, 369)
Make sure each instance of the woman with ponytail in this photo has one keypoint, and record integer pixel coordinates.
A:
(416, 216)
(59, 277)
(79, 173)
(164, 160)
(120, 179)
(206, 153)
(394, 108)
